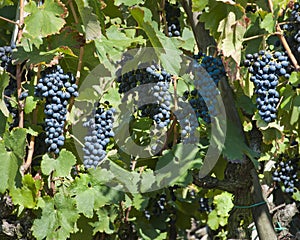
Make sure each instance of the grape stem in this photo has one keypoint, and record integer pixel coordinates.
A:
(175, 106)
(287, 48)
(28, 162)
(259, 36)
(19, 71)
(11, 21)
(73, 11)
(283, 40)
(163, 15)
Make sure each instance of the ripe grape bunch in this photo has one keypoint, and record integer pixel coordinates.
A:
(286, 173)
(204, 205)
(142, 75)
(172, 17)
(216, 71)
(159, 111)
(6, 60)
(266, 68)
(157, 207)
(9, 91)
(100, 130)
(57, 88)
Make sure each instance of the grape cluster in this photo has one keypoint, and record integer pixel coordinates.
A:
(9, 91)
(216, 71)
(172, 17)
(266, 68)
(286, 173)
(292, 30)
(100, 130)
(6, 60)
(57, 88)
(157, 207)
(159, 111)
(132, 79)
(204, 205)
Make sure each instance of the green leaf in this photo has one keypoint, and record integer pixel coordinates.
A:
(295, 78)
(234, 148)
(16, 141)
(8, 168)
(223, 203)
(140, 202)
(268, 23)
(90, 21)
(90, 194)
(106, 217)
(213, 220)
(188, 40)
(217, 11)
(287, 93)
(198, 6)
(128, 3)
(27, 195)
(31, 54)
(62, 165)
(4, 81)
(58, 218)
(30, 104)
(44, 20)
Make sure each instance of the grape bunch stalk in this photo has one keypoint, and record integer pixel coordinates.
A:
(265, 69)
(100, 130)
(57, 88)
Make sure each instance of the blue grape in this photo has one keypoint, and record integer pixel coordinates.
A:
(100, 130)
(53, 86)
(172, 17)
(286, 173)
(265, 69)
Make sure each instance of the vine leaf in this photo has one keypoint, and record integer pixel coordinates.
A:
(219, 216)
(268, 23)
(4, 81)
(232, 33)
(90, 194)
(62, 165)
(90, 21)
(106, 217)
(27, 195)
(198, 6)
(45, 20)
(30, 104)
(8, 168)
(58, 218)
(163, 46)
(16, 141)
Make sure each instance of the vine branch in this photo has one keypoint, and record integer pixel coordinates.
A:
(11, 21)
